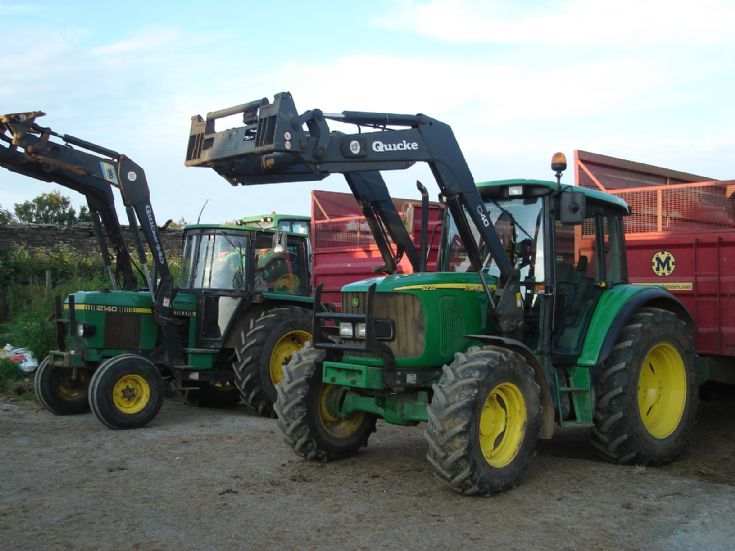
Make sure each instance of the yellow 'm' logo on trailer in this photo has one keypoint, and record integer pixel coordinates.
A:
(663, 263)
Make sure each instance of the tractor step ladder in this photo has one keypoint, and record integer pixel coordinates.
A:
(575, 384)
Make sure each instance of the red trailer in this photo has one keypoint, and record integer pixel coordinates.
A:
(343, 249)
(680, 235)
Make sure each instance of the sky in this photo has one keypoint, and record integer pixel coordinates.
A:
(647, 80)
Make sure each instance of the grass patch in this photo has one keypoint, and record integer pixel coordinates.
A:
(14, 382)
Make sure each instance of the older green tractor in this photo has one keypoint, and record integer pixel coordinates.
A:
(240, 308)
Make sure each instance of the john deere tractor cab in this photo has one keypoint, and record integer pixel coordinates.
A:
(522, 330)
(116, 346)
(251, 291)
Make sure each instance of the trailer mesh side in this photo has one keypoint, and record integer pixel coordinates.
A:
(681, 208)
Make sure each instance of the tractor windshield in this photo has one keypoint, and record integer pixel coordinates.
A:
(214, 260)
(518, 224)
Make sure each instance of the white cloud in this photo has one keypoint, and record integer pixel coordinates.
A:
(623, 23)
(143, 41)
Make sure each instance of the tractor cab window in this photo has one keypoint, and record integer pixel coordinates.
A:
(294, 226)
(585, 266)
(188, 260)
(216, 261)
(281, 271)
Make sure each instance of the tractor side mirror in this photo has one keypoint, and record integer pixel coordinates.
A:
(573, 206)
(280, 240)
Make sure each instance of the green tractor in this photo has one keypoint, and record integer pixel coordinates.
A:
(239, 311)
(521, 330)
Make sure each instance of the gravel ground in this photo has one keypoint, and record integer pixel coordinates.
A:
(223, 479)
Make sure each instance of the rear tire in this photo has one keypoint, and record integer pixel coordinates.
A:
(304, 419)
(266, 348)
(126, 392)
(484, 420)
(59, 391)
(648, 393)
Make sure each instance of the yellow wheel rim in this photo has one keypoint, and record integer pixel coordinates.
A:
(68, 389)
(662, 390)
(502, 425)
(338, 427)
(131, 394)
(283, 350)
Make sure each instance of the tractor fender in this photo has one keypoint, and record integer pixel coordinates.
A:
(543, 379)
(612, 313)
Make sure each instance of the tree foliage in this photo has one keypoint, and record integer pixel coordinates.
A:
(5, 215)
(51, 208)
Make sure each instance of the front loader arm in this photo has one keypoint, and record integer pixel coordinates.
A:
(29, 149)
(274, 147)
(26, 150)
(276, 144)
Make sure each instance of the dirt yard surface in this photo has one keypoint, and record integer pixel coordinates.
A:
(224, 479)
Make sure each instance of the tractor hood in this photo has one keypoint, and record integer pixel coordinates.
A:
(458, 281)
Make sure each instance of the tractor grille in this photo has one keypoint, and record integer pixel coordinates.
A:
(451, 325)
(122, 330)
(404, 309)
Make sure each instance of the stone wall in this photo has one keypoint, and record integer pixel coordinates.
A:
(80, 237)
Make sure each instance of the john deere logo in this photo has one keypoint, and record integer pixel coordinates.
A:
(663, 263)
(355, 302)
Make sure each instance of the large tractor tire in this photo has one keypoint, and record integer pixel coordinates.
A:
(60, 389)
(213, 395)
(126, 392)
(304, 416)
(647, 394)
(484, 421)
(266, 347)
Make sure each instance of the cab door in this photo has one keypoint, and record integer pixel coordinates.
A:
(589, 259)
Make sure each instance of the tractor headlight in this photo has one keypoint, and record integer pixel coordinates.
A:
(360, 330)
(85, 330)
(345, 329)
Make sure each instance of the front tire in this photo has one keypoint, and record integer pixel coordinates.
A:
(484, 420)
(648, 393)
(266, 348)
(62, 390)
(304, 416)
(126, 392)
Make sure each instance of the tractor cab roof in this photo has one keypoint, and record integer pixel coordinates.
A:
(237, 228)
(500, 188)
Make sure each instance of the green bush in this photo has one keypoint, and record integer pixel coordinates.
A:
(14, 382)
(28, 302)
(9, 372)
